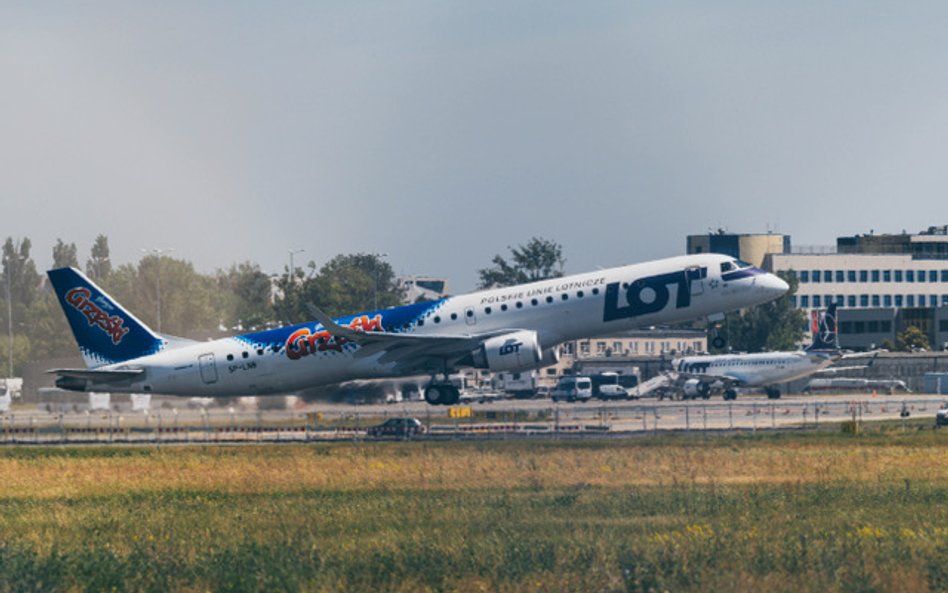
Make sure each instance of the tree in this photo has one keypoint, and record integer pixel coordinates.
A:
(911, 339)
(98, 266)
(345, 284)
(776, 325)
(64, 255)
(20, 282)
(539, 259)
(248, 291)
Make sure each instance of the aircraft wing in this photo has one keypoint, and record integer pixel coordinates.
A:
(834, 370)
(727, 380)
(103, 376)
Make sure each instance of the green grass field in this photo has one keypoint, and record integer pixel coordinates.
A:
(785, 512)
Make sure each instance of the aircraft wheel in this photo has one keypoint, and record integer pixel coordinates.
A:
(773, 393)
(730, 394)
(435, 395)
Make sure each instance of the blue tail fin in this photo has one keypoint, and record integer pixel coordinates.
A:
(106, 332)
(825, 336)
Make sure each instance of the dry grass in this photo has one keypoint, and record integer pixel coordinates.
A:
(785, 513)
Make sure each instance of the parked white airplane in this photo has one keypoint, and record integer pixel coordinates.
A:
(766, 369)
(505, 329)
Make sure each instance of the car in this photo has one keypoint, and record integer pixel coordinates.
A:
(397, 427)
(572, 388)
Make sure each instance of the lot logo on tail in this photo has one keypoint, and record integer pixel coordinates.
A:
(113, 325)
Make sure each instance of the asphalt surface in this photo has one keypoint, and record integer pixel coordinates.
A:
(501, 419)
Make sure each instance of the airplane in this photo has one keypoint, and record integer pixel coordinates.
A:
(699, 373)
(516, 328)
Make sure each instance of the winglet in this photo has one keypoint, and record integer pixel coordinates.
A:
(331, 326)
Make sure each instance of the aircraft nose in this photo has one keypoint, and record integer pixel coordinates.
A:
(773, 284)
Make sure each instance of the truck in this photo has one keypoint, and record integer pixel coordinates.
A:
(517, 385)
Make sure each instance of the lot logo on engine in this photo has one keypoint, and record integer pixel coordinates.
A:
(510, 347)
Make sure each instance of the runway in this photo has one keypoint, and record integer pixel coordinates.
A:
(500, 419)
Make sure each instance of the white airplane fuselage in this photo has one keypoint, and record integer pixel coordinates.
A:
(291, 358)
(756, 370)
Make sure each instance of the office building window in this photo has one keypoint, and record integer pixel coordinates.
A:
(839, 300)
(864, 300)
(617, 347)
(885, 326)
(815, 277)
(649, 347)
(910, 300)
(804, 302)
(933, 300)
(875, 275)
(600, 347)
(898, 275)
(921, 275)
(584, 348)
(696, 346)
(817, 301)
(933, 275)
(804, 276)
(898, 300)
(887, 275)
(921, 300)
(887, 300)
(944, 275)
(851, 300)
(863, 275)
(875, 300)
(872, 327)
(827, 299)
(944, 300)
(840, 276)
(910, 275)
(851, 276)
(827, 276)
(846, 327)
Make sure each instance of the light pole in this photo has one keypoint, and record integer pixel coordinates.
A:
(293, 252)
(7, 264)
(158, 253)
(375, 264)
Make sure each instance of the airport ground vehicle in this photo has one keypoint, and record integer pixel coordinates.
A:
(572, 388)
(606, 386)
(397, 427)
(941, 416)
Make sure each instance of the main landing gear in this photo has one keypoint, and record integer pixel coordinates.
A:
(730, 394)
(772, 393)
(442, 394)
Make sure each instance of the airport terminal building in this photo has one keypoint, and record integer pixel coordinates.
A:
(881, 283)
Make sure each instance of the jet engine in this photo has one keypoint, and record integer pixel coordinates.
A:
(695, 388)
(513, 352)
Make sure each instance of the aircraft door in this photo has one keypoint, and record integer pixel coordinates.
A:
(695, 280)
(208, 368)
(469, 316)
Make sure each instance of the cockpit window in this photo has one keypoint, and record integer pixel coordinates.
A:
(742, 264)
(726, 266)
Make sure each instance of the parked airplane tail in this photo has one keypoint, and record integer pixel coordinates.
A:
(106, 332)
(825, 335)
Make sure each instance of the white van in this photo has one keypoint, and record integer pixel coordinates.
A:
(573, 388)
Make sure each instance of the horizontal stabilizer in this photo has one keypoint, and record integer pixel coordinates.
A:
(97, 376)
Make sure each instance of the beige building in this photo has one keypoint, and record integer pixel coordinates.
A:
(752, 248)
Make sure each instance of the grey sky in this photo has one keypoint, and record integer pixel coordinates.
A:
(441, 132)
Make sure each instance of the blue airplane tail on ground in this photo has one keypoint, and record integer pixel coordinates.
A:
(825, 334)
(106, 332)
